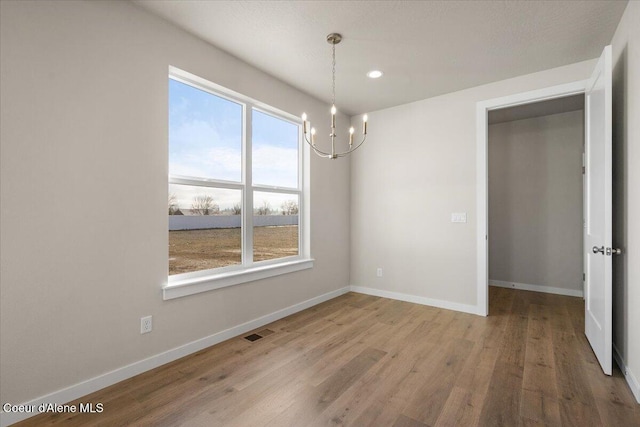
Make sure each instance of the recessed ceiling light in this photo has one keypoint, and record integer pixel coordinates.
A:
(374, 74)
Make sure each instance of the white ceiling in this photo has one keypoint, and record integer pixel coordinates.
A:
(425, 48)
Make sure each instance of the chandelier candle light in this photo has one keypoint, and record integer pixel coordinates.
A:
(310, 136)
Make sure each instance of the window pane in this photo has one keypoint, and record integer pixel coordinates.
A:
(204, 228)
(205, 134)
(275, 225)
(275, 151)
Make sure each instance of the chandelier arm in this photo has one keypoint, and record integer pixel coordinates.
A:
(351, 150)
(317, 150)
(321, 154)
(329, 155)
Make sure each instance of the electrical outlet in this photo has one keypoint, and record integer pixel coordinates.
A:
(146, 324)
(379, 272)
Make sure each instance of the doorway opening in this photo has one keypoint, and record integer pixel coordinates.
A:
(526, 102)
(535, 192)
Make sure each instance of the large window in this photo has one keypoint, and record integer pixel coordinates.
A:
(235, 199)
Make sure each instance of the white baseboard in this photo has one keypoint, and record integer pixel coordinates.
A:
(634, 385)
(91, 385)
(465, 308)
(537, 288)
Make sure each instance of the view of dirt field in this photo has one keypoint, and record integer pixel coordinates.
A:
(193, 250)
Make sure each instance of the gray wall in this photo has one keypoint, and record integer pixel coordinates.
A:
(420, 161)
(535, 201)
(626, 197)
(84, 172)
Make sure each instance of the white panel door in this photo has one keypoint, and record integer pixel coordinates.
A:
(598, 211)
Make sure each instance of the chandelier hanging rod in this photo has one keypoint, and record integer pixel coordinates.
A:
(309, 135)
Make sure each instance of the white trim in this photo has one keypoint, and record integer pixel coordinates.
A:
(448, 305)
(632, 381)
(537, 288)
(482, 211)
(247, 192)
(273, 189)
(482, 110)
(204, 182)
(97, 383)
(195, 285)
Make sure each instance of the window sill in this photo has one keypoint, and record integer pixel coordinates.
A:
(196, 285)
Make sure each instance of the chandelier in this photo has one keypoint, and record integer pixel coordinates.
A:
(310, 134)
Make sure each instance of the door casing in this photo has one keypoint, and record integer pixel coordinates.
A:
(482, 174)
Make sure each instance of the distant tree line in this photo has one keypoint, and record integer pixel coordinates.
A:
(289, 208)
(206, 205)
(173, 205)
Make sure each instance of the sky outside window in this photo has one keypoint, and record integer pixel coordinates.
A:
(275, 151)
(205, 134)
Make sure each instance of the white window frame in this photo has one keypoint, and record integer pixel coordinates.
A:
(184, 284)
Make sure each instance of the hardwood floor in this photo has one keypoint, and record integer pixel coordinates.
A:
(367, 361)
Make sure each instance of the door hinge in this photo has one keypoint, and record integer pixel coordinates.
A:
(584, 277)
(583, 170)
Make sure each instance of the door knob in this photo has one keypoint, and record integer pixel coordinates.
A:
(608, 251)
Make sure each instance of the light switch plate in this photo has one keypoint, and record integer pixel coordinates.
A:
(459, 217)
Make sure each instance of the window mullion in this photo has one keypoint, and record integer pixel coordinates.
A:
(247, 194)
(280, 190)
(205, 183)
(302, 226)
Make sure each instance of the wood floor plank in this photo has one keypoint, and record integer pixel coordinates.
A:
(404, 421)
(577, 403)
(231, 406)
(326, 367)
(540, 396)
(363, 301)
(501, 301)
(393, 400)
(462, 408)
(360, 395)
(333, 387)
(394, 313)
(359, 360)
(430, 399)
(464, 405)
(514, 343)
(538, 406)
(379, 387)
(502, 405)
(312, 404)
